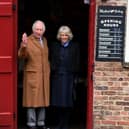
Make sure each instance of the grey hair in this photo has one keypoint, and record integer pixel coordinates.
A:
(66, 30)
(39, 21)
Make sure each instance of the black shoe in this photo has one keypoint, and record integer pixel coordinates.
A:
(32, 127)
(43, 127)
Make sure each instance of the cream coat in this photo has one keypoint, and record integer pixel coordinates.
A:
(36, 73)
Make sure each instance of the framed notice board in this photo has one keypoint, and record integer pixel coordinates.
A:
(110, 33)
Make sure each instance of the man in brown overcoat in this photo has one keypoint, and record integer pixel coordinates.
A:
(34, 51)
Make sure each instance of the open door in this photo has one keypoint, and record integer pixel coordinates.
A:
(55, 13)
(8, 64)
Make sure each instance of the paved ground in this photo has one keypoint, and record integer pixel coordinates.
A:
(75, 124)
(79, 127)
(54, 128)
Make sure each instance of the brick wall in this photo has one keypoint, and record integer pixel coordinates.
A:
(110, 90)
(111, 2)
(111, 96)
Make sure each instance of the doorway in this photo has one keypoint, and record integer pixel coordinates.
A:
(55, 13)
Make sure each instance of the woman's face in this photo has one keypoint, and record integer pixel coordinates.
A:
(64, 37)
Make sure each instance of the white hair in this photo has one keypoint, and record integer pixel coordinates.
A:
(66, 30)
(41, 22)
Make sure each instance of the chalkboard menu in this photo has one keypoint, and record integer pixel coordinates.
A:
(110, 33)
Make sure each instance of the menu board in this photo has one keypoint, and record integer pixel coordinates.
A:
(110, 33)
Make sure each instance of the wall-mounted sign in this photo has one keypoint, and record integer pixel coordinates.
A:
(126, 45)
(110, 33)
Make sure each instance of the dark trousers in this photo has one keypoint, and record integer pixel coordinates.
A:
(64, 116)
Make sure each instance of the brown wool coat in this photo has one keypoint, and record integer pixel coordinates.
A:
(36, 73)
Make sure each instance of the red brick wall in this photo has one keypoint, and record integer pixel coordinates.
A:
(111, 2)
(110, 90)
(111, 96)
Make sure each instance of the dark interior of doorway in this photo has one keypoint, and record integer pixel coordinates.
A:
(55, 13)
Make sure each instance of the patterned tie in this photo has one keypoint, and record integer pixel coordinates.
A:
(41, 42)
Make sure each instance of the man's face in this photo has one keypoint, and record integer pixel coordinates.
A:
(38, 30)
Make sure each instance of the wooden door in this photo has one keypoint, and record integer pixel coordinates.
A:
(8, 64)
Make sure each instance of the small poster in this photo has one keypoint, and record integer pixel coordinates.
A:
(110, 33)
